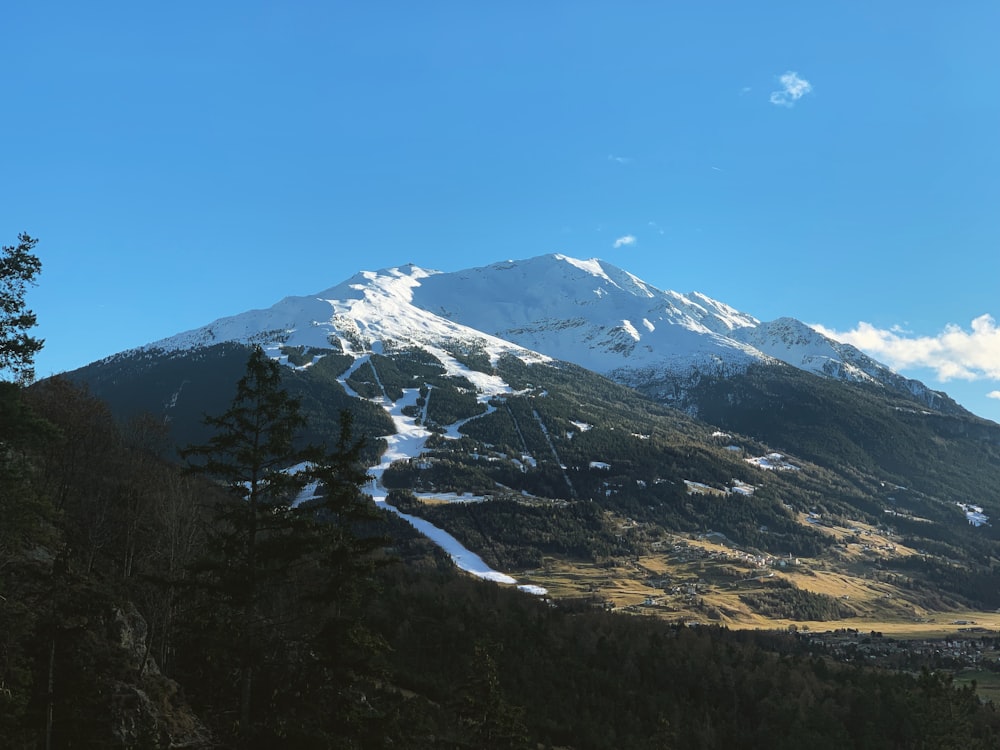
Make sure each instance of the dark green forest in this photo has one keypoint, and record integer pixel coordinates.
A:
(209, 599)
(119, 630)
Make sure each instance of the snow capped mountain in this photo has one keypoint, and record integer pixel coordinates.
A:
(801, 346)
(591, 313)
(370, 311)
(603, 318)
(588, 312)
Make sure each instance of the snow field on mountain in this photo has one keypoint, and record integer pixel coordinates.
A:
(371, 306)
(588, 312)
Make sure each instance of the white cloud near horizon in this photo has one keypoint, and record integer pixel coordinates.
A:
(954, 354)
(628, 239)
(993, 394)
(793, 88)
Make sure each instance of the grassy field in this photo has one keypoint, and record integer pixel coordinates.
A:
(987, 683)
(701, 580)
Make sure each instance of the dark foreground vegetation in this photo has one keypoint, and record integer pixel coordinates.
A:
(119, 626)
(144, 604)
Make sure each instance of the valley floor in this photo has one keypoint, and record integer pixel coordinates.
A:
(700, 581)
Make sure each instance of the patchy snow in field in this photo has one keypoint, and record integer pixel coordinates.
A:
(974, 514)
(530, 588)
(772, 462)
(699, 488)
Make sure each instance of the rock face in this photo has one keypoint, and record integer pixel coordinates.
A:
(149, 710)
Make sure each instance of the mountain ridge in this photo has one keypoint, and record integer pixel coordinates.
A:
(589, 312)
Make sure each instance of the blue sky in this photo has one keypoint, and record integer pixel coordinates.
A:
(189, 160)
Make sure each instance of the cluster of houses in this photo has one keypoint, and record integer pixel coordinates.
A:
(978, 647)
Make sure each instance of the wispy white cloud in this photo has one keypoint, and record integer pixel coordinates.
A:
(620, 159)
(993, 394)
(955, 353)
(793, 88)
(628, 239)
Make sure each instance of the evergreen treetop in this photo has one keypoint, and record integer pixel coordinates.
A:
(18, 269)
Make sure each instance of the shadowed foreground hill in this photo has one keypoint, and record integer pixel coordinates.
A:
(108, 641)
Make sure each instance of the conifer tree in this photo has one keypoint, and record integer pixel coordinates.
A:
(18, 269)
(18, 426)
(25, 511)
(250, 453)
(341, 508)
(287, 566)
(487, 719)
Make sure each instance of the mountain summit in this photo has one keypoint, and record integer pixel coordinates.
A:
(588, 312)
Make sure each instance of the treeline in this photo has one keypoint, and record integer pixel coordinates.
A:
(591, 680)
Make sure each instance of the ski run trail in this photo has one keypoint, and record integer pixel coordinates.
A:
(409, 441)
